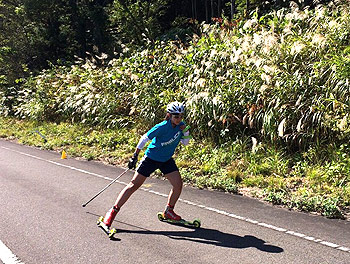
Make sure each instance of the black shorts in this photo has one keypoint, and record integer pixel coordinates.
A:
(148, 166)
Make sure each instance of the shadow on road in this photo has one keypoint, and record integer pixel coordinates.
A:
(211, 237)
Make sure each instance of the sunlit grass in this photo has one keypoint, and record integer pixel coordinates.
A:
(269, 174)
(268, 103)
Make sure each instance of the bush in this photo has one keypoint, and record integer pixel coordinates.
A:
(282, 77)
(269, 97)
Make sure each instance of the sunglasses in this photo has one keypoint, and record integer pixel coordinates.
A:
(177, 116)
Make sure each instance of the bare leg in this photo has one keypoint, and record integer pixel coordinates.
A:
(125, 194)
(176, 181)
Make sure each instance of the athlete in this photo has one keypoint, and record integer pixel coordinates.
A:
(165, 137)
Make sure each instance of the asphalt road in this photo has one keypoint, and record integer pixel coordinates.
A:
(42, 220)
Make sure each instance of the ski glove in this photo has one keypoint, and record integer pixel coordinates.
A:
(133, 161)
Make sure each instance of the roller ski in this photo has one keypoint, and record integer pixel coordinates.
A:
(109, 231)
(196, 223)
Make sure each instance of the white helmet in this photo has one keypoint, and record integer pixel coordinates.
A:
(175, 108)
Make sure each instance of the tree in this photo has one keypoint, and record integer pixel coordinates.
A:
(35, 33)
(14, 36)
(232, 8)
(137, 21)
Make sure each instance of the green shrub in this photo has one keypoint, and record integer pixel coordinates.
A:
(268, 102)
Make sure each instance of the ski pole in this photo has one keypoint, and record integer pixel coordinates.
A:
(97, 194)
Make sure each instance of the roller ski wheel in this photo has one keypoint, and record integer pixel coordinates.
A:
(196, 223)
(109, 231)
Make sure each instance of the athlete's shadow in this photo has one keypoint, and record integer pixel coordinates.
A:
(210, 236)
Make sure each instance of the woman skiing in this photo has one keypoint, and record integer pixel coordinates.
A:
(165, 137)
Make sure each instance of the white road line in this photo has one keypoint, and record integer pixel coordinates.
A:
(252, 221)
(6, 255)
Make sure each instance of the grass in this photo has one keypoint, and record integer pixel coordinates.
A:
(113, 146)
(281, 79)
(302, 181)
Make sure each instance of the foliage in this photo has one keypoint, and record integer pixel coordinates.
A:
(281, 78)
(267, 99)
(294, 181)
(35, 34)
(137, 21)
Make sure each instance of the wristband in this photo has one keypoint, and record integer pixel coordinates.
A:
(186, 129)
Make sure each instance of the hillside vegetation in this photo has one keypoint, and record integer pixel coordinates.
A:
(267, 99)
